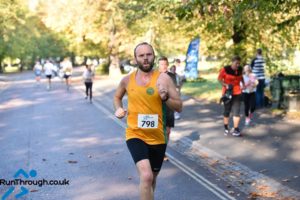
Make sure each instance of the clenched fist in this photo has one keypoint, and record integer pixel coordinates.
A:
(163, 91)
(120, 113)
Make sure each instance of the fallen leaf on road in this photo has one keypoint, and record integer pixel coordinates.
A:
(264, 170)
(203, 155)
(241, 182)
(263, 191)
(72, 161)
(213, 163)
(237, 173)
(231, 192)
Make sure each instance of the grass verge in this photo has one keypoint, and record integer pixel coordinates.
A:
(207, 87)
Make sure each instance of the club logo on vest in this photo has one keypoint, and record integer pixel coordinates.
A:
(150, 91)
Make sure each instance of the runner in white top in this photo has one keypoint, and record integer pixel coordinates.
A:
(38, 68)
(88, 76)
(67, 69)
(48, 68)
(249, 92)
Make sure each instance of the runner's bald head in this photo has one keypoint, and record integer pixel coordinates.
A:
(141, 44)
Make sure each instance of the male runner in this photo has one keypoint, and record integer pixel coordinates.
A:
(146, 137)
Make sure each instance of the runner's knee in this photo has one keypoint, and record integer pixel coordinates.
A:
(147, 177)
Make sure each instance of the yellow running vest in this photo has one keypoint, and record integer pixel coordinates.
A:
(146, 112)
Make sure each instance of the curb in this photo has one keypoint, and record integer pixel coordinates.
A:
(252, 183)
(255, 184)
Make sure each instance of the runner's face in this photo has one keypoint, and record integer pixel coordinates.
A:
(145, 58)
(235, 64)
(163, 66)
(173, 69)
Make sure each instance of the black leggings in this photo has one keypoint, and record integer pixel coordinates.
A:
(88, 89)
(249, 100)
(233, 105)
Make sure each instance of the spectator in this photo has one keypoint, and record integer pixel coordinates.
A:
(163, 65)
(230, 77)
(257, 66)
(37, 71)
(179, 68)
(251, 82)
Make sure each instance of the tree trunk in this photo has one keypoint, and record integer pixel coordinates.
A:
(72, 58)
(21, 65)
(85, 58)
(114, 64)
(1, 67)
(238, 37)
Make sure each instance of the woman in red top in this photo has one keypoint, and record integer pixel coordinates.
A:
(232, 75)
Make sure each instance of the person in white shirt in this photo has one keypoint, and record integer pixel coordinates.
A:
(250, 81)
(67, 69)
(88, 76)
(258, 68)
(48, 68)
(38, 68)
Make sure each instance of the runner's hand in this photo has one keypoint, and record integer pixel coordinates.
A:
(120, 113)
(162, 90)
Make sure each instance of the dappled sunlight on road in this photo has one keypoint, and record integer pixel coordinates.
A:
(204, 111)
(80, 142)
(295, 145)
(15, 103)
(168, 172)
(247, 150)
(93, 189)
(40, 117)
(83, 142)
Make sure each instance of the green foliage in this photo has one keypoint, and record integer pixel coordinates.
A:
(207, 87)
(112, 28)
(25, 37)
(102, 69)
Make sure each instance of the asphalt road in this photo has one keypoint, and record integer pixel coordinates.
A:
(62, 136)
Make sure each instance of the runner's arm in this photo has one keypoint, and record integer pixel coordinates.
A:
(173, 100)
(221, 78)
(120, 112)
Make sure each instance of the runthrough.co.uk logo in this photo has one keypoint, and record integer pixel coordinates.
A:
(23, 180)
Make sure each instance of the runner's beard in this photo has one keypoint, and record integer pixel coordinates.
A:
(144, 69)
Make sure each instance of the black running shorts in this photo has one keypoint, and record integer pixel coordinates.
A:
(233, 106)
(66, 76)
(139, 150)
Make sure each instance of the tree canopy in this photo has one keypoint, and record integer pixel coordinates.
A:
(111, 29)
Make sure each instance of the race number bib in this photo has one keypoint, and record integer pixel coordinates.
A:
(147, 121)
